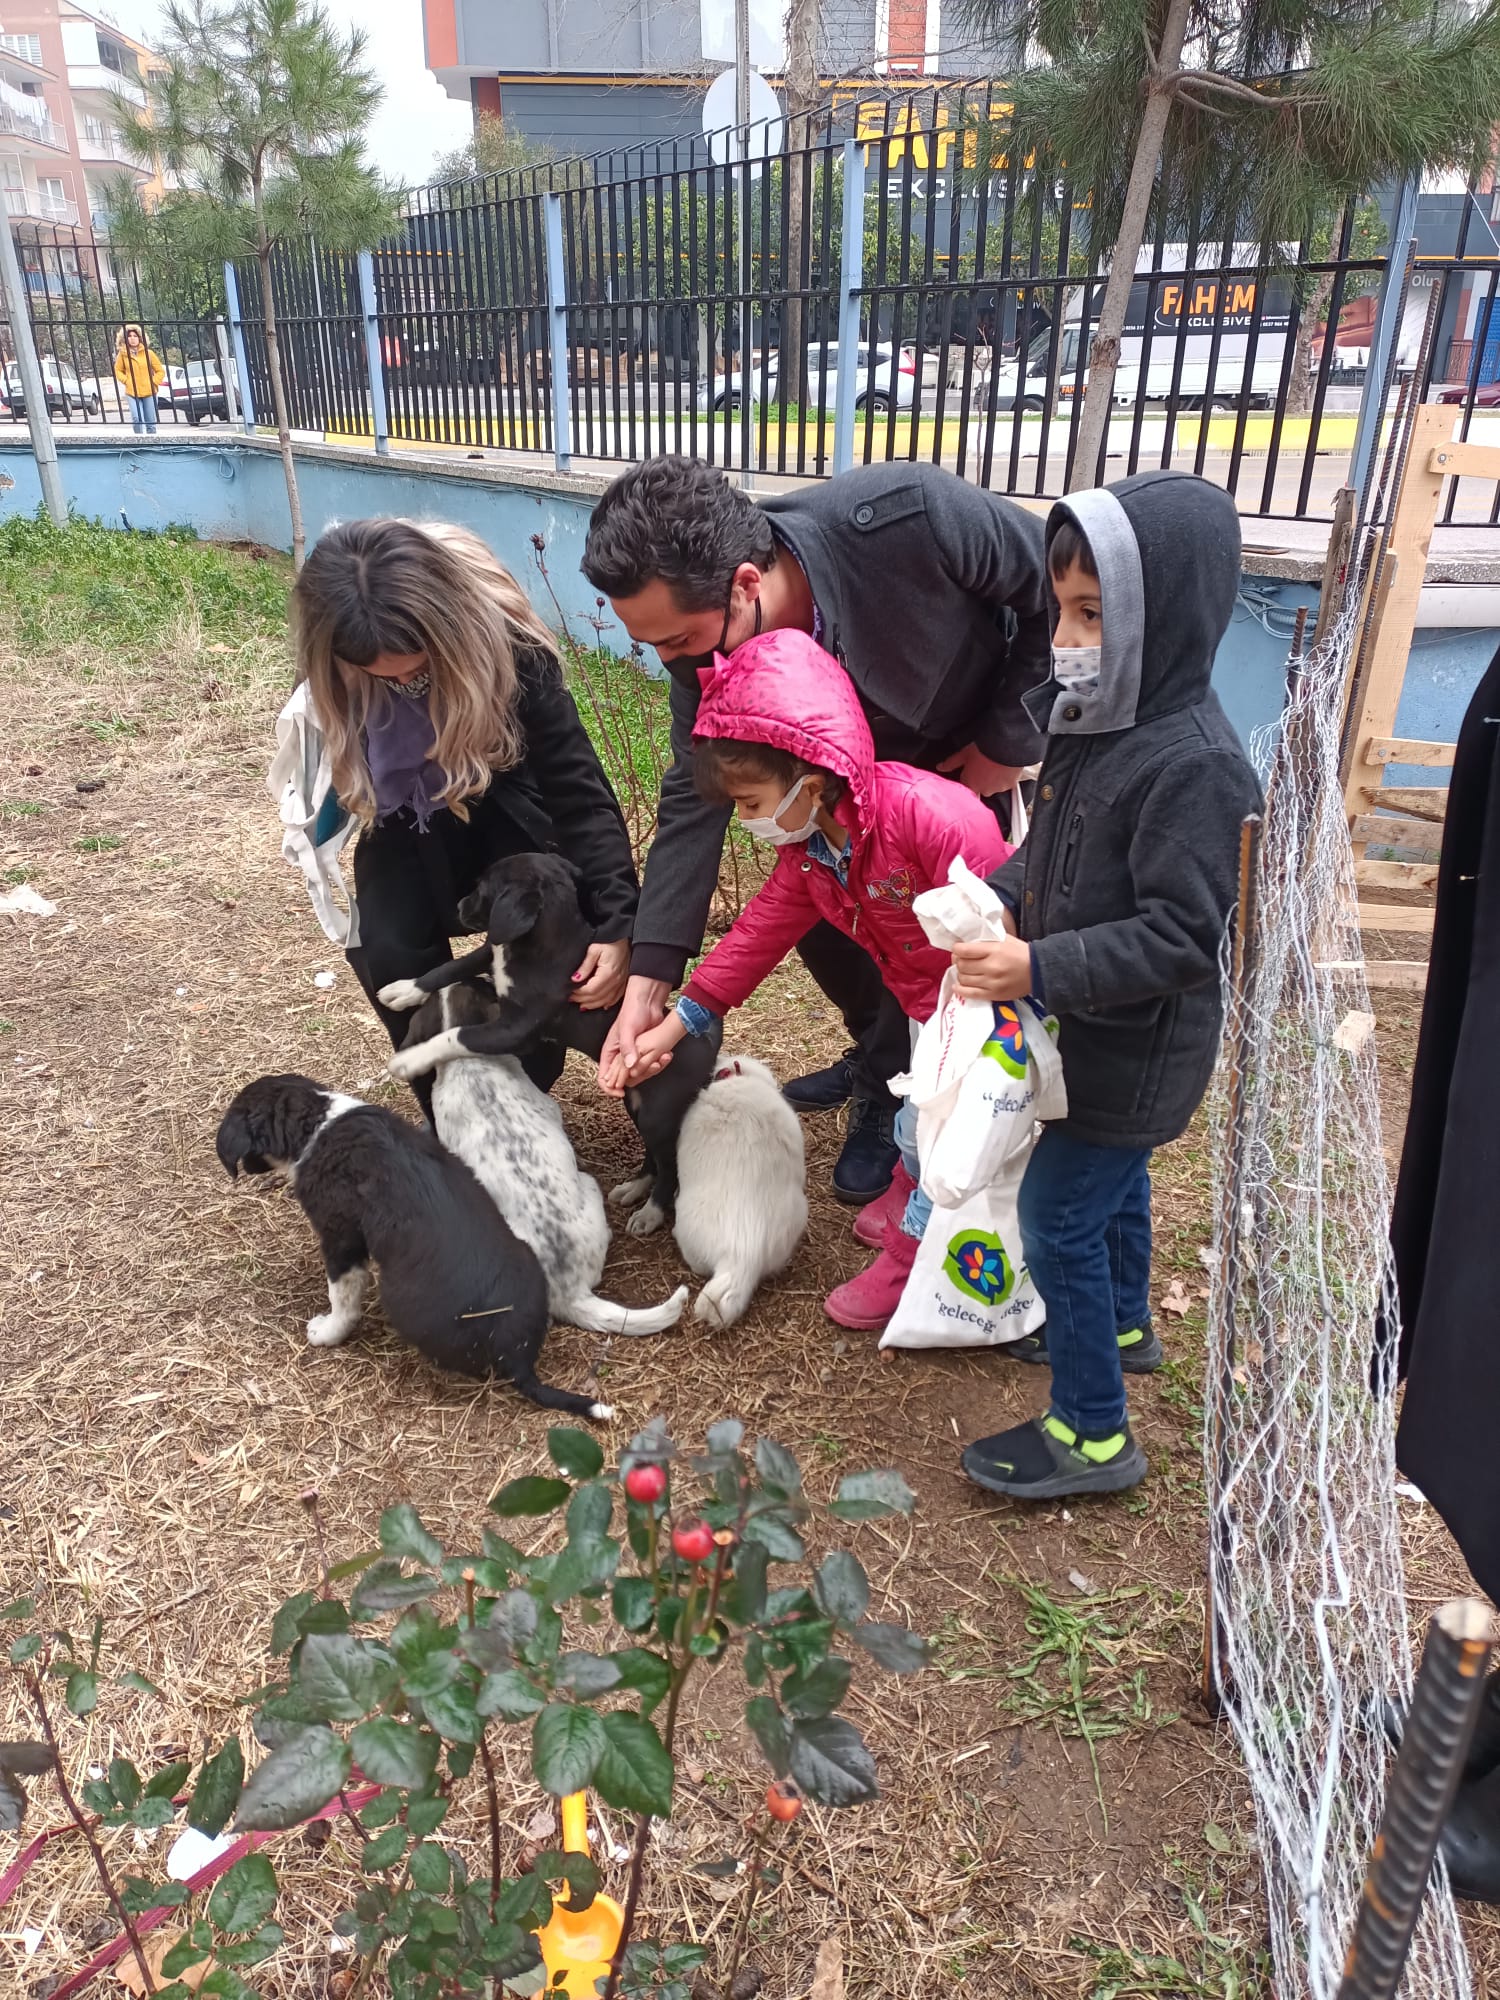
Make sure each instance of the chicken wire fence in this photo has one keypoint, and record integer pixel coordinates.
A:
(1309, 1638)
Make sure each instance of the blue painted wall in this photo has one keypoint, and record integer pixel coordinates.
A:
(227, 491)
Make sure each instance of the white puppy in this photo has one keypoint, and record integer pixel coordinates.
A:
(741, 1196)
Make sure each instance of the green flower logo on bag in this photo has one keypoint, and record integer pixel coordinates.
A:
(978, 1265)
(1007, 1045)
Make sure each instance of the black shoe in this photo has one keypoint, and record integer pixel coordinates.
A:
(822, 1089)
(1470, 1841)
(868, 1160)
(1046, 1460)
(1140, 1350)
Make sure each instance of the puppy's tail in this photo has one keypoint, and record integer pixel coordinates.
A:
(560, 1399)
(724, 1297)
(598, 1315)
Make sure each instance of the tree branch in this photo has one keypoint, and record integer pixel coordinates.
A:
(1228, 86)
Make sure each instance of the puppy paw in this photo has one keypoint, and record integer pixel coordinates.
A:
(706, 1311)
(647, 1219)
(401, 995)
(328, 1330)
(407, 1063)
(629, 1193)
(601, 1412)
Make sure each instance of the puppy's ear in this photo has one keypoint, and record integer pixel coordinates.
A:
(514, 912)
(429, 1020)
(236, 1148)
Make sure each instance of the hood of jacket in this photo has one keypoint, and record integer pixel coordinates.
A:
(1167, 549)
(781, 688)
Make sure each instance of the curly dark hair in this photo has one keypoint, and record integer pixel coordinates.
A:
(682, 521)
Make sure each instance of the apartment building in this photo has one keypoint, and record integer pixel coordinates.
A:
(60, 71)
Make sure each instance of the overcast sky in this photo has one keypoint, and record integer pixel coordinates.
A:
(417, 118)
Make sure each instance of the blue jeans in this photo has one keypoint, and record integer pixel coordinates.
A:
(918, 1205)
(1085, 1216)
(143, 414)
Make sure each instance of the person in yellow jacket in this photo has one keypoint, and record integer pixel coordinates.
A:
(140, 372)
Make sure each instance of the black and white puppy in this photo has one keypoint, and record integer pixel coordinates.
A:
(455, 1281)
(535, 939)
(489, 1112)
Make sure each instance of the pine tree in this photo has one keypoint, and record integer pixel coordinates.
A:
(1254, 122)
(494, 147)
(259, 115)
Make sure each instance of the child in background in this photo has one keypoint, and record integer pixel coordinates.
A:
(781, 735)
(1119, 897)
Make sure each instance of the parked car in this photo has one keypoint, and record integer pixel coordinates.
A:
(65, 393)
(1486, 396)
(890, 385)
(196, 391)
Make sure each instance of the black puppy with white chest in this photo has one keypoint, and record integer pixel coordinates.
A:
(536, 936)
(456, 1282)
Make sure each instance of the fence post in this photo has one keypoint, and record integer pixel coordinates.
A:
(1389, 311)
(851, 286)
(38, 416)
(241, 361)
(373, 359)
(227, 372)
(557, 327)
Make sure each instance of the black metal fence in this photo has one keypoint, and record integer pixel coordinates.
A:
(700, 297)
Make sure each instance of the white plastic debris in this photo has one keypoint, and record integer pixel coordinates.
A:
(1353, 1031)
(23, 901)
(324, 979)
(31, 1940)
(193, 1850)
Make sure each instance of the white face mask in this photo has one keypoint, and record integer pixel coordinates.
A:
(772, 830)
(1076, 668)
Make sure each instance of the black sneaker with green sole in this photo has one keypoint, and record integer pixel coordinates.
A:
(1048, 1460)
(1140, 1351)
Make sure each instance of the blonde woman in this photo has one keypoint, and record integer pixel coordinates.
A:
(431, 711)
(140, 372)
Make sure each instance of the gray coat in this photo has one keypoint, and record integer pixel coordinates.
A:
(933, 596)
(1126, 883)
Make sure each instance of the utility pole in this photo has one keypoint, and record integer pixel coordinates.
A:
(742, 122)
(803, 30)
(38, 418)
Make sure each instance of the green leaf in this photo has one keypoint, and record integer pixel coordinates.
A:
(1218, 1839)
(125, 1781)
(395, 1753)
(864, 1496)
(644, 1673)
(25, 1648)
(583, 1565)
(634, 1602)
(402, 1534)
(817, 1692)
(424, 1652)
(186, 1952)
(779, 1539)
(587, 1675)
(385, 1850)
(153, 1812)
(567, 1743)
(138, 1895)
(452, 1712)
(755, 1661)
(382, 1809)
(295, 1781)
(842, 1588)
(575, 1452)
(831, 1764)
(635, 1772)
(98, 1797)
(13, 1802)
(352, 1565)
(751, 1560)
(168, 1781)
(589, 1512)
(509, 1951)
(217, 1791)
(772, 1731)
(244, 1898)
(383, 1587)
(460, 1759)
(725, 1436)
(303, 1614)
(255, 1950)
(425, 1816)
(510, 1695)
(777, 1468)
(534, 1495)
(892, 1646)
(429, 1868)
(806, 1642)
(20, 1607)
(342, 1678)
(81, 1691)
(577, 1870)
(138, 1683)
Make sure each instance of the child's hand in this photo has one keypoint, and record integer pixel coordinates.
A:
(613, 1075)
(999, 969)
(653, 1051)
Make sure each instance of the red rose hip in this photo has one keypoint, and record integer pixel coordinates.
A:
(694, 1542)
(646, 1483)
(783, 1800)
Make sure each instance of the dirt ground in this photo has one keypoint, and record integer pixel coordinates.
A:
(161, 1411)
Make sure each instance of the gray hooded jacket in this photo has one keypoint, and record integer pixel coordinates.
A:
(1129, 875)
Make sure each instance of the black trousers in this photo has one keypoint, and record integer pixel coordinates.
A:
(408, 884)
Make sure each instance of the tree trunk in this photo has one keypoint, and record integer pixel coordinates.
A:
(1314, 310)
(801, 100)
(278, 387)
(1092, 428)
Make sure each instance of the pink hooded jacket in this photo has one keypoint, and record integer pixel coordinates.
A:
(905, 827)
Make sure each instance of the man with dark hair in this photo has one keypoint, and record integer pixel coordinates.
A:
(932, 594)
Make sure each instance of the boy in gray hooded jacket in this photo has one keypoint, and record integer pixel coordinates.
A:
(1120, 897)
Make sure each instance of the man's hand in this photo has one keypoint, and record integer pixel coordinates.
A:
(972, 768)
(999, 969)
(643, 1006)
(653, 1051)
(600, 980)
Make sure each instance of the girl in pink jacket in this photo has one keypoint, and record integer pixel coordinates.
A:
(781, 735)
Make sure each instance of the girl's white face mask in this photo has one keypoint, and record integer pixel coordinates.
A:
(1076, 668)
(772, 830)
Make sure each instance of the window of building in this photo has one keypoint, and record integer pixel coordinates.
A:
(113, 55)
(27, 47)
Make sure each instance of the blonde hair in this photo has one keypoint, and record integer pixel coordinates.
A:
(429, 587)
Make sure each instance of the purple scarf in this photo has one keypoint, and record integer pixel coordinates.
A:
(399, 740)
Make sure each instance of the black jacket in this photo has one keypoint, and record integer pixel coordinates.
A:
(1444, 1226)
(933, 596)
(1127, 879)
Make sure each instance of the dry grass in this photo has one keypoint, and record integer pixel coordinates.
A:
(161, 1411)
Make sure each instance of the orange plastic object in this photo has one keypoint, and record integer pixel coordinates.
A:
(577, 1946)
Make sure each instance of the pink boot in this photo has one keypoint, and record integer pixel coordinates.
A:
(869, 1224)
(867, 1302)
